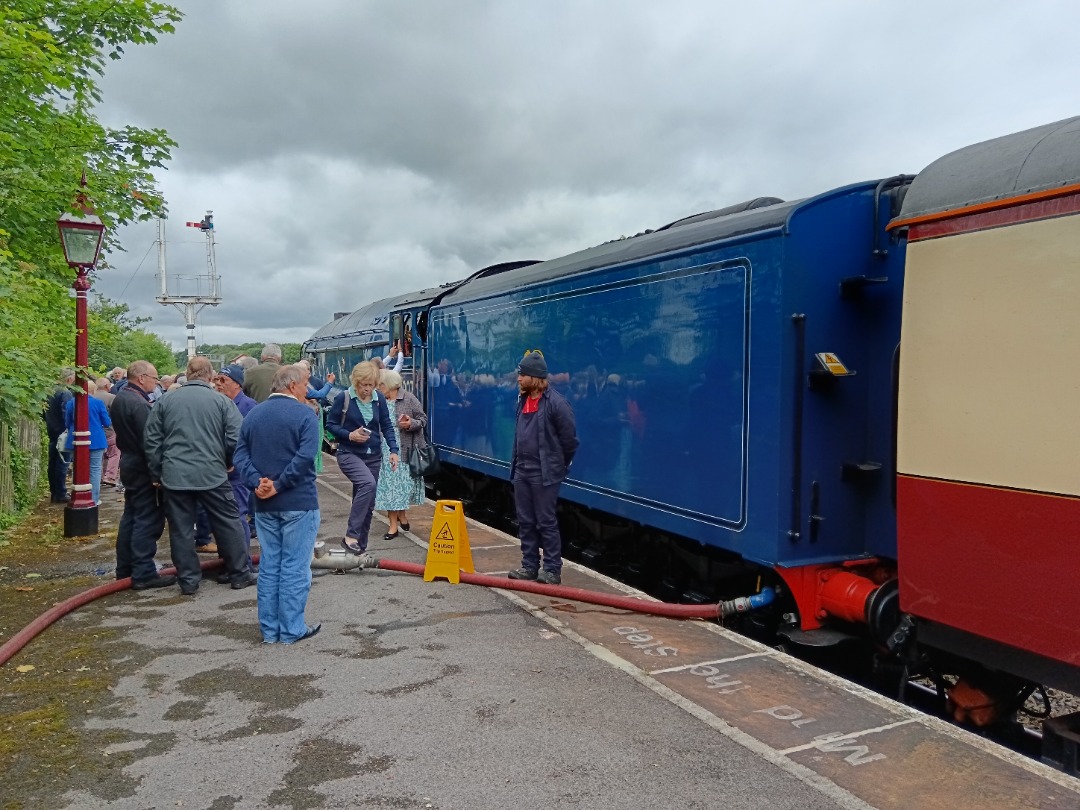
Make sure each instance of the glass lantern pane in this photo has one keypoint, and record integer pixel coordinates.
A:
(80, 245)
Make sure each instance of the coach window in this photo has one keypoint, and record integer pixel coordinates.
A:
(395, 329)
(406, 343)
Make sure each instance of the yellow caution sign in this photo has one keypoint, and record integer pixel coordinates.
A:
(833, 364)
(448, 549)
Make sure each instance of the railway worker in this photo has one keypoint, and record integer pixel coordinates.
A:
(257, 379)
(397, 490)
(143, 520)
(189, 441)
(276, 459)
(545, 440)
(359, 419)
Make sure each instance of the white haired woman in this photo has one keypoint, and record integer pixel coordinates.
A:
(359, 419)
(397, 489)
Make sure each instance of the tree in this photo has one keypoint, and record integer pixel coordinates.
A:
(51, 55)
(116, 339)
(290, 352)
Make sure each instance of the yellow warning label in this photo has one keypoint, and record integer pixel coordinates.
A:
(448, 547)
(833, 364)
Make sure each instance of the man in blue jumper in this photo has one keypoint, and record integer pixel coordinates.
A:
(276, 459)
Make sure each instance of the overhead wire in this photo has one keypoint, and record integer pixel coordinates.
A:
(137, 269)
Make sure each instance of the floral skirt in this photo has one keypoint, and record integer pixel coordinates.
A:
(397, 489)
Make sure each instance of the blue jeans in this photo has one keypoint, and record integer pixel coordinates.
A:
(288, 541)
(96, 457)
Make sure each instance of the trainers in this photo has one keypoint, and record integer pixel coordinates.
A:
(549, 578)
(523, 573)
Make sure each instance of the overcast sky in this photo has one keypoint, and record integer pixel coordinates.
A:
(353, 149)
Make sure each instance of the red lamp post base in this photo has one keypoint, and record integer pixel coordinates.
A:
(80, 521)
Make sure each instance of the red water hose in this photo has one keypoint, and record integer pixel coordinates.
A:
(712, 612)
(61, 609)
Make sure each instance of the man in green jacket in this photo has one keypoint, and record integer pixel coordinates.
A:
(189, 440)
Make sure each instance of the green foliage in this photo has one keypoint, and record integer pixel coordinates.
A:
(51, 55)
(290, 352)
(115, 339)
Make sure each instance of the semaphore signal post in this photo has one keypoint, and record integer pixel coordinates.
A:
(205, 286)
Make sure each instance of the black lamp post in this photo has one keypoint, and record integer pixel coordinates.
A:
(81, 237)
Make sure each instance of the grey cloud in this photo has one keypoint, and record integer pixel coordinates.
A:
(357, 149)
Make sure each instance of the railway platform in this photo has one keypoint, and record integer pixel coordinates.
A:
(434, 695)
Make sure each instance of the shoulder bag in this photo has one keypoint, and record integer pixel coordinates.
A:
(424, 461)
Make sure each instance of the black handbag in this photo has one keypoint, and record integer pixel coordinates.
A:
(424, 462)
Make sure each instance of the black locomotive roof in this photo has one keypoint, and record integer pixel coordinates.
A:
(1034, 160)
(696, 230)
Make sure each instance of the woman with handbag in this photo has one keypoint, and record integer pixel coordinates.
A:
(400, 489)
(359, 419)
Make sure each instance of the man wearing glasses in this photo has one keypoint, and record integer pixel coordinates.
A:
(144, 519)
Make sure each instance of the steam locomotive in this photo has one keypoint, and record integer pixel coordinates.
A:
(863, 399)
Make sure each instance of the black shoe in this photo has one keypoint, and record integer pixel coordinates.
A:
(404, 526)
(311, 631)
(523, 573)
(351, 548)
(246, 581)
(389, 535)
(156, 582)
(223, 579)
(549, 578)
(189, 591)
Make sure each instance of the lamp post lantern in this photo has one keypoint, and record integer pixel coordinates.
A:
(81, 237)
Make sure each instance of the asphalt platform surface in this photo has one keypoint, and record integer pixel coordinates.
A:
(414, 695)
(433, 695)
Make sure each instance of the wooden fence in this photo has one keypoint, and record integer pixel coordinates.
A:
(27, 433)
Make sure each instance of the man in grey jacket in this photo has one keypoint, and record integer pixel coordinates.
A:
(189, 440)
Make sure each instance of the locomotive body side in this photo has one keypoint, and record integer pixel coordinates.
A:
(989, 452)
(679, 354)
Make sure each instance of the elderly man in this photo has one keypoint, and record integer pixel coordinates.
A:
(143, 520)
(258, 379)
(190, 439)
(228, 382)
(118, 379)
(276, 458)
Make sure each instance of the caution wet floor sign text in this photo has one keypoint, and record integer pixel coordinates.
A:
(448, 549)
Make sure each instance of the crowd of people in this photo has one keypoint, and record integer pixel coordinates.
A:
(208, 450)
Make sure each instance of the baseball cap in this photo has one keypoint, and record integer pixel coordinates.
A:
(234, 373)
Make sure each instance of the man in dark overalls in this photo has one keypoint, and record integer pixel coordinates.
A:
(545, 440)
